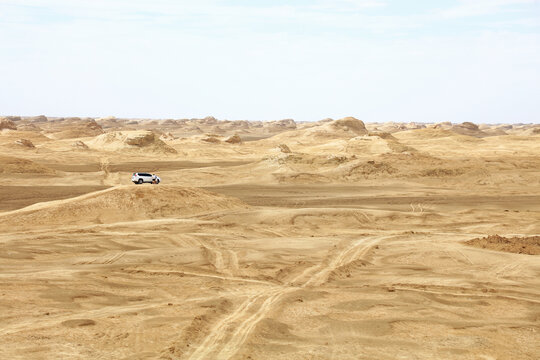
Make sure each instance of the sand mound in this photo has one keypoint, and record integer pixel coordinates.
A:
(428, 133)
(167, 136)
(79, 145)
(284, 148)
(25, 143)
(7, 124)
(213, 139)
(529, 131)
(349, 124)
(345, 128)
(13, 118)
(469, 129)
(13, 165)
(28, 127)
(130, 140)
(447, 125)
(22, 139)
(124, 203)
(376, 143)
(235, 139)
(468, 125)
(279, 125)
(38, 119)
(520, 245)
(209, 120)
(78, 129)
(315, 169)
(141, 140)
(235, 125)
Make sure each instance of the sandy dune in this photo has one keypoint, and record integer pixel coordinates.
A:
(327, 240)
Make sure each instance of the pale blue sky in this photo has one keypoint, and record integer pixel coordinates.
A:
(430, 61)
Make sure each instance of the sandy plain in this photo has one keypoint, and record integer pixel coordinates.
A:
(267, 240)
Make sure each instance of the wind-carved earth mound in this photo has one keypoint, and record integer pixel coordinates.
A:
(25, 143)
(284, 148)
(122, 203)
(345, 128)
(280, 125)
(14, 165)
(167, 136)
(212, 139)
(80, 145)
(78, 129)
(469, 129)
(235, 139)
(7, 124)
(349, 124)
(134, 140)
(38, 119)
(29, 127)
(376, 143)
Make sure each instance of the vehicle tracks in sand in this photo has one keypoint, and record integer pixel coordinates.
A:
(199, 274)
(105, 260)
(229, 334)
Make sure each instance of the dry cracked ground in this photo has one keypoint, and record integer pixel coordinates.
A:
(268, 240)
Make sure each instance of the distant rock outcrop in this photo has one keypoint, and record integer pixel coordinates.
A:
(28, 127)
(120, 140)
(469, 129)
(209, 120)
(13, 118)
(468, 125)
(77, 129)
(350, 124)
(38, 119)
(6, 123)
(141, 140)
(280, 125)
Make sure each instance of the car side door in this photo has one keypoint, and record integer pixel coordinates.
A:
(146, 177)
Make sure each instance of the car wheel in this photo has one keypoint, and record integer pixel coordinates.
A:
(140, 181)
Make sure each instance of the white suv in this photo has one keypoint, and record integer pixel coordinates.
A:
(139, 178)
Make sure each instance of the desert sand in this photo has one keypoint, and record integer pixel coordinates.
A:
(335, 239)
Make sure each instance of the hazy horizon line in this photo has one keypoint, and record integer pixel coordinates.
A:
(261, 120)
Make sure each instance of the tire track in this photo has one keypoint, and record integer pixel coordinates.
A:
(228, 336)
(220, 332)
(108, 259)
(199, 274)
